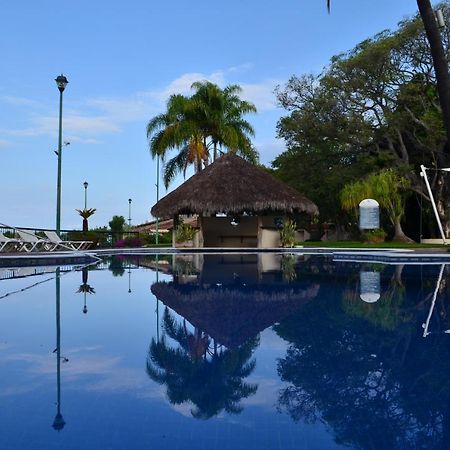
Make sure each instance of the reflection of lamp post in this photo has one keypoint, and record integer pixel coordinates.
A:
(58, 422)
(129, 212)
(61, 82)
(85, 184)
(129, 278)
(157, 300)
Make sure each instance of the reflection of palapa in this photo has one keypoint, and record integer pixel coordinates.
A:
(233, 314)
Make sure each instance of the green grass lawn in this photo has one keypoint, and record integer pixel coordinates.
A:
(358, 244)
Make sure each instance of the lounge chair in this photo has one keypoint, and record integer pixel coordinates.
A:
(72, 245)
(30, 242)
(8, 244)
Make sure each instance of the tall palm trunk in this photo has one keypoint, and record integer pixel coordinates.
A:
(439, 61)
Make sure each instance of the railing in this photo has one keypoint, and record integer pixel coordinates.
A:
(100, 238)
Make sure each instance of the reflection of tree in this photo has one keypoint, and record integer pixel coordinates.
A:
(389, 312)
(211, 378)
(116, 266)
(287, 266)
(375, 386)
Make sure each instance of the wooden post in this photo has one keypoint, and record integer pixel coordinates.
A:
(175, 224)
(201, 240)
(259, 231)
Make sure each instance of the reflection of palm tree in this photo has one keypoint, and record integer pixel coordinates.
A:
(85, 288)
(212, 379)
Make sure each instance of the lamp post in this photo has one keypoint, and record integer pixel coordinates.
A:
(61, 82)
(85, 184)
(423, 174)
(157, 199)
(129, 212)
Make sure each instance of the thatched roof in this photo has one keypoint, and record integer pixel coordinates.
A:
(233, 314)
(233, 185)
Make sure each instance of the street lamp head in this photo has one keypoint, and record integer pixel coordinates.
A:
(61, 82)
(85, 184)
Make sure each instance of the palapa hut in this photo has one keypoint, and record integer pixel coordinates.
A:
(237, 203)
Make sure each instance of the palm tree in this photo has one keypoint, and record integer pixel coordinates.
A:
(211, 119)
(221, 111)
(85, 214)
(439, 57)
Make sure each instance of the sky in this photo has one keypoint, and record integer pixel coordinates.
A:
(123, 60)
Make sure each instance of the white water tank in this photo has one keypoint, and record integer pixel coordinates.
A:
(369, 214)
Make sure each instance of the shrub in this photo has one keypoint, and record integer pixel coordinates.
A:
(287, 233)
(373, 236)
(184, 232)
(129, 242)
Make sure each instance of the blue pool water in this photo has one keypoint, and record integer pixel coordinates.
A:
(225, 352)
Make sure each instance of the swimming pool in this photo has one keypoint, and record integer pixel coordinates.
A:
(251, 351)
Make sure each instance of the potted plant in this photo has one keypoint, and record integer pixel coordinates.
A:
(373, 236)
(184, 235)
(287, 233)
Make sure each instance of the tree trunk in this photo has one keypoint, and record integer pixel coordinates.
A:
(439, 60)
(399, 235)
(85, 225)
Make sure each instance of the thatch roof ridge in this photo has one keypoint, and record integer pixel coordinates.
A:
(231, 184)
(232, 315)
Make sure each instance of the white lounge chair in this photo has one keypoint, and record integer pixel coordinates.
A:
(8, 244)
(72, 245)
(31, 242)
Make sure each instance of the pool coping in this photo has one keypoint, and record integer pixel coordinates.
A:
(385, 255)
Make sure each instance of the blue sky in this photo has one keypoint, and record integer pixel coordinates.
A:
(123, 60)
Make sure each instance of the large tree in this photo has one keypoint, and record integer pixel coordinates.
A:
(377, 102)
(440, 61)
(198, 126)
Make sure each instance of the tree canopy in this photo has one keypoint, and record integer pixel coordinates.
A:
(375, 106)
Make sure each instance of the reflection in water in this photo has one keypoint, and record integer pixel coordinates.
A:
(204, 373)
(228, 300)
(369, 286)
(433, 303)
(58, 422)
(362, 371)
(85, 288)
(365, 370)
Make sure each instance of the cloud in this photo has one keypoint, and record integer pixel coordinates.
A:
(182, 84)
(4, 143)
(108, 115)
(261, 94)
(18, 101)
(48, 125)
